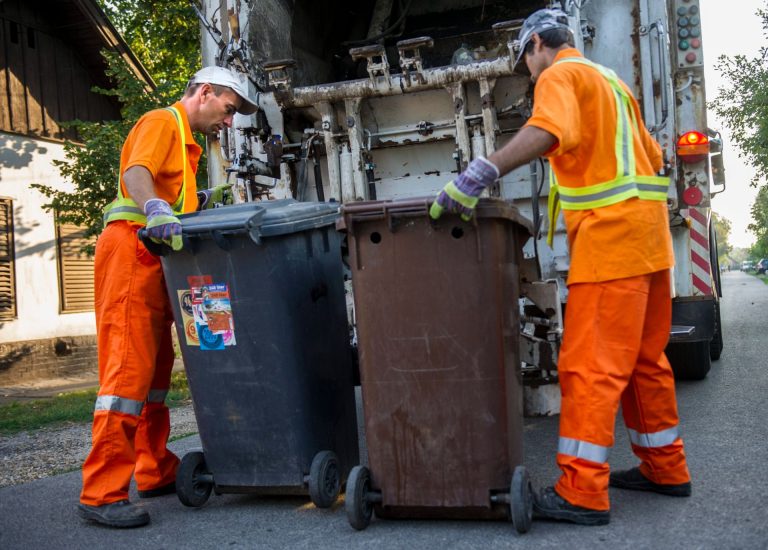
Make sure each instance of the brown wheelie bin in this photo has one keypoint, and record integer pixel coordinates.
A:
(436, 306)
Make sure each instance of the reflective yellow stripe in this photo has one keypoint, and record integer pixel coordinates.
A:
(124, 208)
(627, 184)
(178, 206)
(553, 206)
(612, 192)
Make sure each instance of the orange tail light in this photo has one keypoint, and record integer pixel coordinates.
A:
(693, 146)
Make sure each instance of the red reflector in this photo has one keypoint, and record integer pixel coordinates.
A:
(693, 146)
(692, 196)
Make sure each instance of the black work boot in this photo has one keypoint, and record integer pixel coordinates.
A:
(168, 489)
(634, 480)
(549, 505)
(115, 514)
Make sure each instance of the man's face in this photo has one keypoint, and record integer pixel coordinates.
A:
(216, 111)
(535, 58)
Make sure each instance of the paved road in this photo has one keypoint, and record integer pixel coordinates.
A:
(724, 423)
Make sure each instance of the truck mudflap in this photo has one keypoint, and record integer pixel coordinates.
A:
(690, 352)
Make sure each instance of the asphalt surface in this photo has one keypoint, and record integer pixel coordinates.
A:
(724, 424)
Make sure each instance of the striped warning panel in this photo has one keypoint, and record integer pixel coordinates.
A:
(701, 271)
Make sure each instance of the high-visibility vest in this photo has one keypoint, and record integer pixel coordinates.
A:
(627, 184)
(124, 208)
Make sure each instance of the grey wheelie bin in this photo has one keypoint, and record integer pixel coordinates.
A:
(436, 305)
(258, 299)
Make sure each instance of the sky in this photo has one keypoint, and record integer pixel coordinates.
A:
(730, 28)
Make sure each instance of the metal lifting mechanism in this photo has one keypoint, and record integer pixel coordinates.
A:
(279, 74)
(376, 56)
(410, 57)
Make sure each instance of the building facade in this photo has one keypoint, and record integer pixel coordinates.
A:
(50, 59)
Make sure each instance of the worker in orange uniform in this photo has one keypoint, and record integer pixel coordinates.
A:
(133, 314)
(602, 166)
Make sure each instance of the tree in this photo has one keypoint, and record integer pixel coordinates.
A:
(759, 225)
(722, 233)
(743, 105)
(168, 44)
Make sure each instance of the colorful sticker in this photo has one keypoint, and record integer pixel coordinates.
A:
(209, 340)
(206, 309)
(187, 317)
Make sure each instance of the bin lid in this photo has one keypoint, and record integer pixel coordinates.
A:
(261, 219)
(486, 208)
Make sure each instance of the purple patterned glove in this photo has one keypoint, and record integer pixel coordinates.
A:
(462, 195)
(162, 225)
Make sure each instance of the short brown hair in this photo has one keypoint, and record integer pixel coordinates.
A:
(192, 87)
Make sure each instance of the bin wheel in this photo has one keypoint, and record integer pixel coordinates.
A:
(521, 500)
(359, 508)
(190, 488)
(324, 479)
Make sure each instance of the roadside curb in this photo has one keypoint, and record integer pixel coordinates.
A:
(48, 388)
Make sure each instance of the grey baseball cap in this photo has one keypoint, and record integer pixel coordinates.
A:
(225, 77)
(538, 22)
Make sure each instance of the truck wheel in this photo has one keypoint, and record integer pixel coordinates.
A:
(193, 485)
(521, 500)
(359, 509)
(689, 360)
(716, 344)
(324, 479)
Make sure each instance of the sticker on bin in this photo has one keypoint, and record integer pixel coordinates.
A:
(206, 311)
(188, 318)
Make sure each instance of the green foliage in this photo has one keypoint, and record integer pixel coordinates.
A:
(165, 36)
(743, 104)
(722, 232)
(759, 225)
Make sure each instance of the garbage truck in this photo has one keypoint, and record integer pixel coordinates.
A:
(390, 99)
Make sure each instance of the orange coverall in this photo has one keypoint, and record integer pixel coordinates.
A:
(133, 318)
(618, 316)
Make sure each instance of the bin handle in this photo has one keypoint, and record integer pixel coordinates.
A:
(161, 249)
(252, 227)
(413, 208)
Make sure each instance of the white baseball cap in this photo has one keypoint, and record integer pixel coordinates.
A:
(225, 77)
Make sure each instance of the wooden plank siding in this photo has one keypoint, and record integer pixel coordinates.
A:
(7, 272)
(49, 63)
(75, 269)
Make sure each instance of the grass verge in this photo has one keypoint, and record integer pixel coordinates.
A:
(71, 407)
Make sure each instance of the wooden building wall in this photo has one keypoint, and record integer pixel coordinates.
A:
(47, 70)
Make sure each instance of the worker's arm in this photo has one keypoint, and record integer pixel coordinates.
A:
(140, 185)
(461, 195)
(162, 225)
(528, 144)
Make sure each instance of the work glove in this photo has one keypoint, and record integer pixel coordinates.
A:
(162, 225)
(461, 196)
(209, 198)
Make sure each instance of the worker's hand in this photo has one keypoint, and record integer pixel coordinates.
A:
(162, 225)
(461, 196)
(209, 198)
